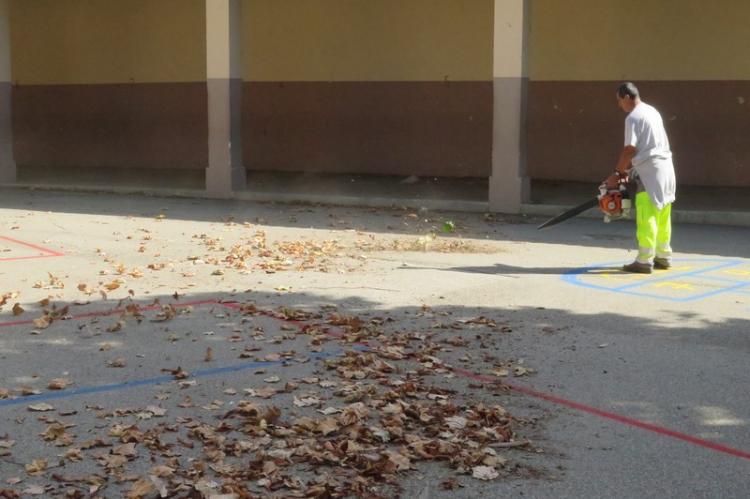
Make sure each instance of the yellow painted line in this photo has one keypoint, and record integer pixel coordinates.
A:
(673, 285)
(739, 272)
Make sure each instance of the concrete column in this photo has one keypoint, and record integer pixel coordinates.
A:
(225, 172)
(7, 164)
(509, 185)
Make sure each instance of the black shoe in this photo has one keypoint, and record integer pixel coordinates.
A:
(662, 263)
(638, 268)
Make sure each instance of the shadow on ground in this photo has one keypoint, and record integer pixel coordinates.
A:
(563, 353)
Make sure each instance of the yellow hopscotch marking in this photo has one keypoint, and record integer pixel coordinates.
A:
(624, 276)
(739, 272)
(673, 285)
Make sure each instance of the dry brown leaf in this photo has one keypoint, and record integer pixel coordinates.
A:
(306, 401)
(162, 471)
(59, 383)
(456, 422)
(43, 322)
(43, 407)
(178, 373)
(18, 309)
(167, 312)
(450, 484)
(522, 371)
(117, 326)
(484, 472)
(328, 426)
(74, 454)
(209, 355)
(264, 393)
(36, 467)
(142, 488)
(56, 432)
(126, 450)
(156, 411)
(117, 362)
(402, 462)
(34, 490)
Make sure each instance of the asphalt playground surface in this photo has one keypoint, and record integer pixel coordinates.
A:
(624, 385)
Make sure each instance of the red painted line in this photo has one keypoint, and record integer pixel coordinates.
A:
(47, 252)
(16, 258)
(608, 415)
(115, 311)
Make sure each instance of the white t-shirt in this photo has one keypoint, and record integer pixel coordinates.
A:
(652, 163)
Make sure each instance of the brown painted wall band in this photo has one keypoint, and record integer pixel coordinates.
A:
(7, 166)
(402, 128)
(154, 125)
(576, 130)
(423, 128)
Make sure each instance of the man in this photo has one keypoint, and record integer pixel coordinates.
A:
(647, 160)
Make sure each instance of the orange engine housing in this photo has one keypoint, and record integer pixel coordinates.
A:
(611, 203)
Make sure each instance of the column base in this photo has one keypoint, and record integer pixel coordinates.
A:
(219, 185)
(507, 195)
(8, 172)
(225, 173)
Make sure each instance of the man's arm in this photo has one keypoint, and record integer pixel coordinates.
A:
(626, 156)
(624, 163)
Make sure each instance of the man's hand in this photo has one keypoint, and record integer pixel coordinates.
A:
(614, 180)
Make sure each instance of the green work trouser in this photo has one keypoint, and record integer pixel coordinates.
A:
(654, 229)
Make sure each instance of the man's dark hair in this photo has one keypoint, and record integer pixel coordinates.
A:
(627, 89)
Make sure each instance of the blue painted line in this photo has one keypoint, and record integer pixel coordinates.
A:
(725, 279)
(684, 299)
(115, 387)
(730, 289)
(659, 297)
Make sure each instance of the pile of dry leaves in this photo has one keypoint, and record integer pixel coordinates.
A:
(368, 416)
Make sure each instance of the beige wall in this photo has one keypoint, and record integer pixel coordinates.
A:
(108, 41)
(367, 40)
(639, 40)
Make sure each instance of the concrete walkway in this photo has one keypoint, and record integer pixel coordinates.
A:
(701, 205)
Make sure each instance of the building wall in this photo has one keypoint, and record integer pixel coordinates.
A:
(101, 83)
(687, 57)
(362, 86)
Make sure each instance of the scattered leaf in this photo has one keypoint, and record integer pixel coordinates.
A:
(43, 407)
(59, 383)
(484, 472)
